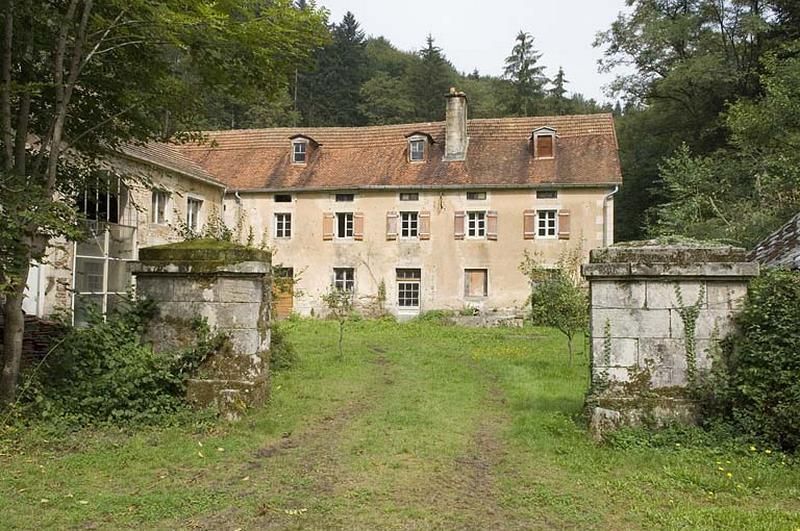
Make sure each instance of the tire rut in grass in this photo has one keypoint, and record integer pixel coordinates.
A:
(310, 454)
(468, 489)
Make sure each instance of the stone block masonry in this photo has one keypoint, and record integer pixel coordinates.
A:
(643, 298)
(228, 286)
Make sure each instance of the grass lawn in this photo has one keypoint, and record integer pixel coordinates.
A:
(418, 426)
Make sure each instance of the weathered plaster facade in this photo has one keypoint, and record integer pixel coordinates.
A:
(442, 259)
(657, 315)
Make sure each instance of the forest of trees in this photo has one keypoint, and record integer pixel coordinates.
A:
(710, 133)
(360, 80)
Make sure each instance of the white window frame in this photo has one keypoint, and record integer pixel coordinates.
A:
(476, 224)
(409, 288)
(283, 225)
(416, 155)
(159, 203)
(349, 225)
(296, 150)
(547, 224)
(193, 219)
(341, 282)
(409, 225)
(104, 231)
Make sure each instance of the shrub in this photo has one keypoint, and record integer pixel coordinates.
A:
(103, 373)
(755, 383)
(440, 317)
(282, 353)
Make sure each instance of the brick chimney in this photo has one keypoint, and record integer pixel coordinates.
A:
(456, 140)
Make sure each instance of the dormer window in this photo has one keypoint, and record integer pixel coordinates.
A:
(543, 143)
(416, 150)
(302, 148)
(418, 143)
(299, 151)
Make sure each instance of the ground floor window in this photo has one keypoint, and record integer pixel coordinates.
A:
(408, 287)
(102, 275)
(476, 282)
(344, 278)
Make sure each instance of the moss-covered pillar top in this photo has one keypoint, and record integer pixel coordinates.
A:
(651, 259)
(202, 257)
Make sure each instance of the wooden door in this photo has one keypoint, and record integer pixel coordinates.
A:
(283, 293)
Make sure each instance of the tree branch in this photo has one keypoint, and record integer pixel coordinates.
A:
(5, 107)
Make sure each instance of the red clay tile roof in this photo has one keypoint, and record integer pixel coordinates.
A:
(168, 157)
(376, 156)
(781, 248)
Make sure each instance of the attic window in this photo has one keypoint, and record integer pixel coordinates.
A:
(544, 146)
(543, 143)
(283, 198)
(416, 149)
(299, 148)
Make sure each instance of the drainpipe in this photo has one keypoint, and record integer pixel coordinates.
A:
(606, 199)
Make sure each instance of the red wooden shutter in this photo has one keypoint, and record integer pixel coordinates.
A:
(544, 146)
(391, 225)
(529, 224)
(327, 225)
(563, 224)
(358, 226)
(491, 225)
(458, 229)
(424, 225)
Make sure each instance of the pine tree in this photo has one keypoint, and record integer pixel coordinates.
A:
(558, 93)
(526, 76)
(330, 95)
(431, 78)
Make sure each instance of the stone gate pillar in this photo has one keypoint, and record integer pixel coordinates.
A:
(657, 315)
(227, 285)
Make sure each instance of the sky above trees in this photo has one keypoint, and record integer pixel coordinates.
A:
(474, 34)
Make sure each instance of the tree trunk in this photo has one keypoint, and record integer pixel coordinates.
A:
(569, 346)
(14, 327)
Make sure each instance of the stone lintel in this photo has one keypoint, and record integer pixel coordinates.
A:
(650, 252)
(663, 269)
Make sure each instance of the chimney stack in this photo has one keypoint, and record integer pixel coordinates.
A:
(456, 140)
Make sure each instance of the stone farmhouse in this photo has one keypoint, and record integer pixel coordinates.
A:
(426, 216)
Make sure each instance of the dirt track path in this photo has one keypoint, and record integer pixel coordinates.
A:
(328, 481)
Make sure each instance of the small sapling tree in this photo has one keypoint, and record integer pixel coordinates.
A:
(557, 297)
(340, 306)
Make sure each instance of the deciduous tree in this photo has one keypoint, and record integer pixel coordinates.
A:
(79, 78)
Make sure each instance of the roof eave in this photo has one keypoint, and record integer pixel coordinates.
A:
(380, 187)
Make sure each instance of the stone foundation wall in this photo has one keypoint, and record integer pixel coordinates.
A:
(643, 300)
(228, 286)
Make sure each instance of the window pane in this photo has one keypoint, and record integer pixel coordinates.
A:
(474, 196)
(83, 305)
(121, 241)
(345, 197)
(95, 244)
(409, 196)
(119, 277)
(89, 275)
(283, 198)
(546, 194)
